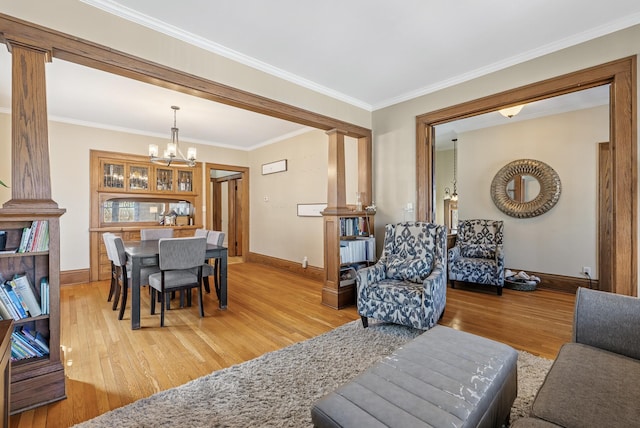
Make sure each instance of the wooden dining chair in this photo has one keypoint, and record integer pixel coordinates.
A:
(216, 238)
(180, 261)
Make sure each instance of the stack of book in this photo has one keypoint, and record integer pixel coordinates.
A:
(18, 299)
(28, 343)
(35, 238)
(357, 250)
(353, 226)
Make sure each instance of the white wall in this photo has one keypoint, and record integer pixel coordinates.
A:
(568, 143)
(276, 229)
(562, 240)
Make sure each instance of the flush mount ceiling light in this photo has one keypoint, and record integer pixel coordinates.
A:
(510, 111)
(171, 153)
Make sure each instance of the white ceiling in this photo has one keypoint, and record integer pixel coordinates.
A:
(587, 98)
(370, 53)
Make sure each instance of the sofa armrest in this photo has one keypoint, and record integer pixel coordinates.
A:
(434, 298)
(436, 282)
(453, 253)
(607, 321)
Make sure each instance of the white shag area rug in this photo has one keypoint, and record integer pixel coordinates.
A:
(278, 389)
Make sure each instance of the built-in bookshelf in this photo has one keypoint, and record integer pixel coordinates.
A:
(29, 295)
(349, 246)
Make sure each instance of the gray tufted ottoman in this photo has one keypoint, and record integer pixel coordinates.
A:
(443, 378)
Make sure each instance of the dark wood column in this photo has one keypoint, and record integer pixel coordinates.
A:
(336, 193)
(365, 170)
(42, 380)
(30, 173)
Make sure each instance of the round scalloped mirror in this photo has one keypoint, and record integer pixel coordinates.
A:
(525, 188)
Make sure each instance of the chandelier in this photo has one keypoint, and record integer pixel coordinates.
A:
(170, 156)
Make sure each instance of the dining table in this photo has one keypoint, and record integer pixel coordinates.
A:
(145, 253)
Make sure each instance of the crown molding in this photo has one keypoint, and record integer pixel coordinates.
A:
(172, 31)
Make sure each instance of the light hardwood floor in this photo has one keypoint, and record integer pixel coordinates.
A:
(108, 365)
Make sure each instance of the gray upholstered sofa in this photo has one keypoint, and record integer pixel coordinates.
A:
(595, 380)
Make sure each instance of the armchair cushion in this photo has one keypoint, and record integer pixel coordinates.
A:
(410, 269)
(398, 293)
(483, 251)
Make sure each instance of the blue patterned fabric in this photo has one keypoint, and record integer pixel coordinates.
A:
(408, 285)
(478, 256)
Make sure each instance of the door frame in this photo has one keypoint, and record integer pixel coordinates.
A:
(621, 246)
(244, 172)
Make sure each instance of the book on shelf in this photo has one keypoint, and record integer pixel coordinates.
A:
(35, 238)
(8, 305)
(23, 288)
(5, 313)
(24, 239)
(27, 345)
(44, 295)
(35, 338)
(14, 300)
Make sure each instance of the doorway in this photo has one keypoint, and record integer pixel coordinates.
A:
(228, 205)
(620, 250)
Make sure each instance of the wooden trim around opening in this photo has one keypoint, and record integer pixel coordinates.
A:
(622, 247)
(242, 171)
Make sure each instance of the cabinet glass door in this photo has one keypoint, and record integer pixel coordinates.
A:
(138, 177)
(113, 175)
(164, 179)
(185, 181)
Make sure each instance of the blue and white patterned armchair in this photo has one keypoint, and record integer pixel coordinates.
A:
(478, 255)
(408, 285)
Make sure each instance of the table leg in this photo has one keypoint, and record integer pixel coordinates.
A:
(223, 281)
(135, 294)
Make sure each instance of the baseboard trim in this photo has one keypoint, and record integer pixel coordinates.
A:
(78, 276)
(566, 284)
(293, 267)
